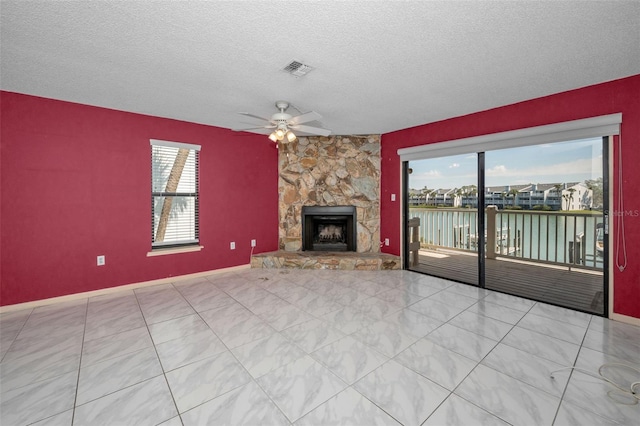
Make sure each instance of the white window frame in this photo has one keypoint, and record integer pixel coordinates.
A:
(176, 246)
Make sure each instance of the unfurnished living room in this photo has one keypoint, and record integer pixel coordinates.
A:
(319, 213)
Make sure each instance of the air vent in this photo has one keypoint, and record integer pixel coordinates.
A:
(296, 68)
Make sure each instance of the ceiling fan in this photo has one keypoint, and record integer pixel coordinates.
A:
(281, 125)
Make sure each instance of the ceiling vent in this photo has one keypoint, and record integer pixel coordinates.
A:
(297, 68)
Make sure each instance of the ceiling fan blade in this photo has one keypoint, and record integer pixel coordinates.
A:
(261, 130)
(266, 126)
(248, 129)
(255, 116)
(313, 130)
(305, 118)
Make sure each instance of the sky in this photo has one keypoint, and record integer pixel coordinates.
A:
(573, 161)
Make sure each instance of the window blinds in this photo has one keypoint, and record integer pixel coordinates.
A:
(605, 125)
(174, 193)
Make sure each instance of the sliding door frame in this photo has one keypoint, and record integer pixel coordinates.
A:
(482, 250)
(405, 215)
(605, 127)
(606, 144)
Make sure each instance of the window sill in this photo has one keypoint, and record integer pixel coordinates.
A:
(174, 250)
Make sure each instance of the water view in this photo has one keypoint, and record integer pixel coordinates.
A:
(564, 238)
(543, 231)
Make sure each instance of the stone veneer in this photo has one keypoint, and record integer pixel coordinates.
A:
(326, 260)
(330, 171)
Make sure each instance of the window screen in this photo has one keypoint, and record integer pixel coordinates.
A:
(174, 194)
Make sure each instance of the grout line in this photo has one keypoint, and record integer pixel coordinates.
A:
(566, 386)
(164, 374)
(227, 350)
(84, 331)
(479, 362)
(251, 378)
(17, 335)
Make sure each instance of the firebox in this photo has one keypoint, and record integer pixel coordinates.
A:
(329, 228)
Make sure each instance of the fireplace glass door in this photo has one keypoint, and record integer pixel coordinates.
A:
(329, 228)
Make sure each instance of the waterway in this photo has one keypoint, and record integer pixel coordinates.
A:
(556, 237)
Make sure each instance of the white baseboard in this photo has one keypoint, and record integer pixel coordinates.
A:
(110, 290)
(625, 318)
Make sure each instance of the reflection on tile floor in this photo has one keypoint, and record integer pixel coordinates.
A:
(278, 347)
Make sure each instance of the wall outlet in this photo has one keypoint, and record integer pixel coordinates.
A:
(393, 197)
(386, 241)
(232, 246)
(100, 260)
(253, 243)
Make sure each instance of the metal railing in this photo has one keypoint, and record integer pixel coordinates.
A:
(568, 239)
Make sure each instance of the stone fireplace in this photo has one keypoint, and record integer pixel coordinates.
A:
(329, 228)
(333, 171)
(329, 206)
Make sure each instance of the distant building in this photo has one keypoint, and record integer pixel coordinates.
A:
(556, 196)
(416, 197)
(444, 198)
(577, 196)
(505, 196)
(560, 196)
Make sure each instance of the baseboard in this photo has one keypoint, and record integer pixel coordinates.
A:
(625, 318)
(110, 290)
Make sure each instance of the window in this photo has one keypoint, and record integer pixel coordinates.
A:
(174, 194)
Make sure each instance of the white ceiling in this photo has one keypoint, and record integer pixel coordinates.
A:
(379, 66)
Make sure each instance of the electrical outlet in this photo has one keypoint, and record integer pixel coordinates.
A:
(232, 246)
(393, 197)
(253, 243)
(386, 241)
(100, 260)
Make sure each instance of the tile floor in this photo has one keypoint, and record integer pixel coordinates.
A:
(282, 347)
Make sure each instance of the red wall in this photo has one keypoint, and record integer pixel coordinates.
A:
(607, 98)
(76, 183)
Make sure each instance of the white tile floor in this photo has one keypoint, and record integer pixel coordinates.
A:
(265, 347)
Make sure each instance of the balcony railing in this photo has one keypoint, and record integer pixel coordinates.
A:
(568, 239)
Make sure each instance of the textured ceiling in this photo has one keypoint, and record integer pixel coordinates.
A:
(379, 66)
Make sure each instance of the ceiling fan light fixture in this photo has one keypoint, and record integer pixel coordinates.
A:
(281, 123)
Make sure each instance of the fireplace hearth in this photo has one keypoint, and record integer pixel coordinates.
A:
(329, 228)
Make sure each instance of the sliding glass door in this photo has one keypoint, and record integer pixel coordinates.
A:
(544, 209)
(541, 233)
(443, 217)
